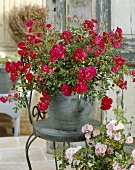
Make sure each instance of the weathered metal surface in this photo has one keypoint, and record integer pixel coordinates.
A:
(71, 113)
(45, 130)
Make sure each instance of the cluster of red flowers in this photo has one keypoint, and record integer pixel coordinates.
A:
(8, 98)
(119, 61)
(106, 103)
(57, 52)
(121, 83)
(4, 99)
(13, 68)
(43, 104)
(133, 74)
(83, 66)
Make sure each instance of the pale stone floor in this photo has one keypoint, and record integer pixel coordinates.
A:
(12, 154)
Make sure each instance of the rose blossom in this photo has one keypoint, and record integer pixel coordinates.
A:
(133, 153)
(109, 133)
(87, 136)
(88, 48)
(96, 132)
(129, 139)
(100, 149)
(133, 72)
(110, 150)
(87, 128)
(106, 103)
(117, 167)
(70, 152)
(132, 167)
(111, 125)
(29, 76)
(117, 136)
(81, 87)
(66, 90)
(119, 126)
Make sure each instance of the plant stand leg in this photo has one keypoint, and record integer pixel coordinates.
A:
(56, 164)
(27, 146)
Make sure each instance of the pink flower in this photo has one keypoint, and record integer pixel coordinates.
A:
(129, 139)
(119, 126)
(110, 150)
(110, 126)
(70, 152)
(117, 136)
(117, 167)
(96, 132)
(66, 90)
(132, 167)
(88, 48)
(87, 136)
(133, 72)
(133, 154)
(87, 128)
(100, 149)
(45, 68)
(117, 44)
(109, 133)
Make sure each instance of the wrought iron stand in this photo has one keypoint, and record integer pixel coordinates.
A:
(44, 129)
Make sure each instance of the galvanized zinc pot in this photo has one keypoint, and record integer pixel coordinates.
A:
(5, 82)
(70, 113)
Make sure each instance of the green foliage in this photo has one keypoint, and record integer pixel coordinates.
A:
(93, 158)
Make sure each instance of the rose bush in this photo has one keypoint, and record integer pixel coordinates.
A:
(105, 149)
(77, 60)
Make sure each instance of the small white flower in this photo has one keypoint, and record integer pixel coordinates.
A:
(2, 54)
(10, 60)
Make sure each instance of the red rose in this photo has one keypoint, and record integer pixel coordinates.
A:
(29, 76)
(66, 90)
(81, 87)
(43, 105)
(79, 55)
(16, 95)
(106, 103)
